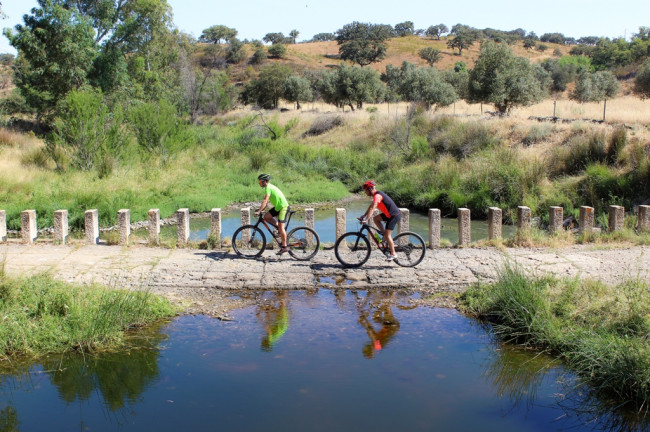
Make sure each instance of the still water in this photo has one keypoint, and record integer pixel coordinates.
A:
(324, 224)
(327, 360)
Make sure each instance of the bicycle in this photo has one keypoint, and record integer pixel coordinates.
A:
(249, 241)
(352, 249)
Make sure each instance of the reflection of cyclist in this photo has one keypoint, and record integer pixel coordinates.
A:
(383, 315)
(390, 214)
(279, 210)
(275, 318)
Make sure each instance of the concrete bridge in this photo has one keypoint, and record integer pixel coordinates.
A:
(194, 277)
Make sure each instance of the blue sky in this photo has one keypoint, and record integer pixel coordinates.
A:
(254, 18)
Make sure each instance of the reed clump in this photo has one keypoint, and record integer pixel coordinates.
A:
(599, 331)
(41, 315)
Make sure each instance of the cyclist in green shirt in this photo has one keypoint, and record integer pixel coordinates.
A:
(279, 210)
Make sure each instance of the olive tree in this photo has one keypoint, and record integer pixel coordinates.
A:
(297, 89)
(505, 80)
(595, 87)
(217, 33)
(430, 55)
(351, 86)
(363, 43)
(424, 85)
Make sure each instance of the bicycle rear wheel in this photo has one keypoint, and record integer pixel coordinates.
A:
(409, 249)
(303, 243)
(352, 249)
(248, 241)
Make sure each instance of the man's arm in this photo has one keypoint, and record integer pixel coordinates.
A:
(263, 205)
(370, 211)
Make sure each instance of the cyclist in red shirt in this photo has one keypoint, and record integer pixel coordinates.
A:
(390, 214)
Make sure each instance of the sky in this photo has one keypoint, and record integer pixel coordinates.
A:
(253, 19)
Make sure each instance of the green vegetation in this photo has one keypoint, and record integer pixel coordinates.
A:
(600, 332)
(42, 315)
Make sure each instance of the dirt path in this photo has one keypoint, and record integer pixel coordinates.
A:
(208, 281)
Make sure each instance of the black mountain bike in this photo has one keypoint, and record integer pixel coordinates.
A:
(249, 241)
(352, 249)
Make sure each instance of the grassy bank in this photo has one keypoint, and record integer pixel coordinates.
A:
(601, 332)
(40, 315)
(424, 160)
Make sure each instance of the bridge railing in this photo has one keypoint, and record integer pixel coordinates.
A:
(586, 222)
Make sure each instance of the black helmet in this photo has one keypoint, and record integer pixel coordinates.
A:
(265, 177)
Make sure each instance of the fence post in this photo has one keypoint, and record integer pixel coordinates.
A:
(340, 222)
(91, 225)
(555, 219)
(28, 231)
(245, 220)
(183, 220)
(60, 226)
(523, 218)
(309, 223)
(464, 227)
(404, 223)
(124, 225)
(616, 218)
(586, 219)
(154, 226)
(495, 222)
(215, 226)
(643, 218)
(3, 226)
(434, 228)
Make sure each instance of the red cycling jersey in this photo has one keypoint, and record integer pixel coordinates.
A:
(385, 204)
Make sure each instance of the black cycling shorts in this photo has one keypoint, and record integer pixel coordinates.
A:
(391, 221)
(275, 213)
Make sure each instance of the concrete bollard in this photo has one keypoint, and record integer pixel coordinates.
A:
(215, 225)
(91, 225)
(124, 225)
(340, 225)
(616, 218)
(183, 220)
(643, 218)
(464, 227)
(154, 226)
(28, 228)
(586, 219)
(405, 223)
(309, 223)
(61, 230)
(435, 225)
(3, 226)
(555, 219)
(495, 222)
(245, 220)
(523, 218)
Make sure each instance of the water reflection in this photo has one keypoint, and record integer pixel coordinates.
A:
(431, 369)
(273, 314)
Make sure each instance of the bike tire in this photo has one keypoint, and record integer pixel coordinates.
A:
(299, 246)
(410, 249)
(352, 249)
(251, 248)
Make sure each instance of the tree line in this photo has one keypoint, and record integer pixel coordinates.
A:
(90, 71)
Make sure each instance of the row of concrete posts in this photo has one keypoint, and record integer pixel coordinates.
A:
(29, 231)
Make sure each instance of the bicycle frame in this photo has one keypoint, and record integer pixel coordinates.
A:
(266, 224)
(371, 230)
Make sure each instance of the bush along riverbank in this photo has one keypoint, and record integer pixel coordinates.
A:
(40, 315)
(601, 332)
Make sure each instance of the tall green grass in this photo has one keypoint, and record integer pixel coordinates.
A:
(600, 331)
(41, 315)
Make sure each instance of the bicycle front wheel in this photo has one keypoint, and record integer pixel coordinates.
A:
(303, 243)
(409, 249)
(352, 249)
(248, 241)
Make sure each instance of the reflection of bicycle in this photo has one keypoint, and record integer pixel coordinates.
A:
(352, 249)
(249, 241)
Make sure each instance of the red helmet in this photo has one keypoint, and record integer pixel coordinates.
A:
(368, 185)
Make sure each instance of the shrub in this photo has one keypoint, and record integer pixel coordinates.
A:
(85, 130)
(324, 124)
(617, 142)
(278, 50)
(158, 128)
